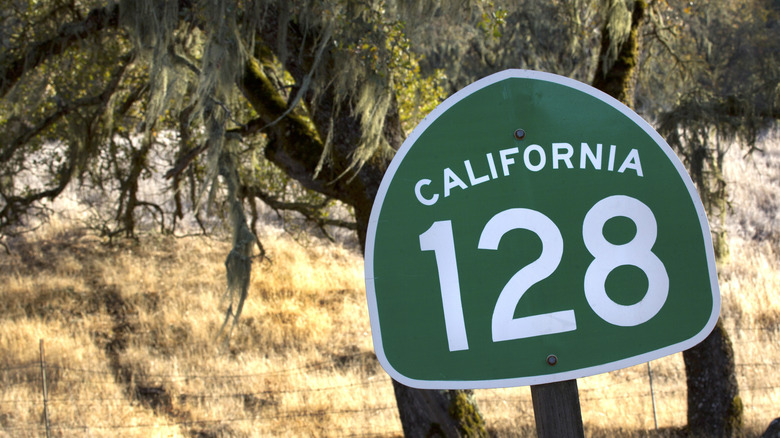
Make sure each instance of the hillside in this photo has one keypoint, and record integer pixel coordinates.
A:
(127, 330)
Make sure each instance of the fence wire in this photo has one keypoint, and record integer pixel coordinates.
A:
(29, 374)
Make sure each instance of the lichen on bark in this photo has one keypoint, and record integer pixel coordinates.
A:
(464, 408)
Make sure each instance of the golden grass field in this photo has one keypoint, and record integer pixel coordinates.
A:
(128, 332)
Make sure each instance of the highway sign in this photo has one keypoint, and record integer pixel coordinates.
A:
(533, 229)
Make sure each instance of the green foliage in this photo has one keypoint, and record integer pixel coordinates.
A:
(555, 36)
(108, 74)
(493, 19)
(92, 91)
(417, 95)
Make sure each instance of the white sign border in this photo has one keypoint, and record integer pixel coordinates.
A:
(373, 310)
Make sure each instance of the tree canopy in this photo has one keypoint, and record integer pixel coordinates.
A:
(106, 93)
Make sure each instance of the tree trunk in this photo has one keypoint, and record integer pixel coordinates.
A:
(296, 149)
(616, 77)
(433, 413)
(714, 404)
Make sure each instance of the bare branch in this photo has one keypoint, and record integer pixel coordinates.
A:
(311, 212)
(185, 160)
(159, 210)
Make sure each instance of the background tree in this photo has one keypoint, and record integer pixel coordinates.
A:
(722, 89)
(309, 86)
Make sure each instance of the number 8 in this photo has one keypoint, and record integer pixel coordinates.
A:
(608, 256)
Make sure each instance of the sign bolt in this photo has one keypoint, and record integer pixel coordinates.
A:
(519, 134)
(552, 360)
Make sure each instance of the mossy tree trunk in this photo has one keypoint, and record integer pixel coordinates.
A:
(616, 76)
(296, 145)
(434, 413)
(714, 405)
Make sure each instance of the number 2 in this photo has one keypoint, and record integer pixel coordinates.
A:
(504, 325)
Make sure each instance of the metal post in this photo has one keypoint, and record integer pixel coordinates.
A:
(45, 392)
(652, 395)
(557, 410)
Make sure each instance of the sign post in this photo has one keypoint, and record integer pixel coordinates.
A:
(534, 230)
(557, 410)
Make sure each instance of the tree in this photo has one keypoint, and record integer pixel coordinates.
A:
(716, 102)
(619, 54)
(299, 151)
(724, 93)
(317, 99)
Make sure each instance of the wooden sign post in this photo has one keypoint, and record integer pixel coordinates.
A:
(557, 410)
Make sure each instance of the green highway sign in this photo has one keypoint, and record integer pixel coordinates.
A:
(533, 229)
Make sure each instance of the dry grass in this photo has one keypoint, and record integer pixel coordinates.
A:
(128, 332)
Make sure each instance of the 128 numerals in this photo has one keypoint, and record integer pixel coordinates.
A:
(607, 257)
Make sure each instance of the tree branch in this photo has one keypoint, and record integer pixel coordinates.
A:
(294, 142)
(67, 35)
(63, 110)
(618, 80)
(183, 161)
(311, 212)
(16, 206)
(159, 210)
(297, 145)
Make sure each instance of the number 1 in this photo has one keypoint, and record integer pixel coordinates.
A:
(439, 239)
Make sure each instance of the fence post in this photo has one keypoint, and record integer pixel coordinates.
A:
(652, 395)
(45, 392)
